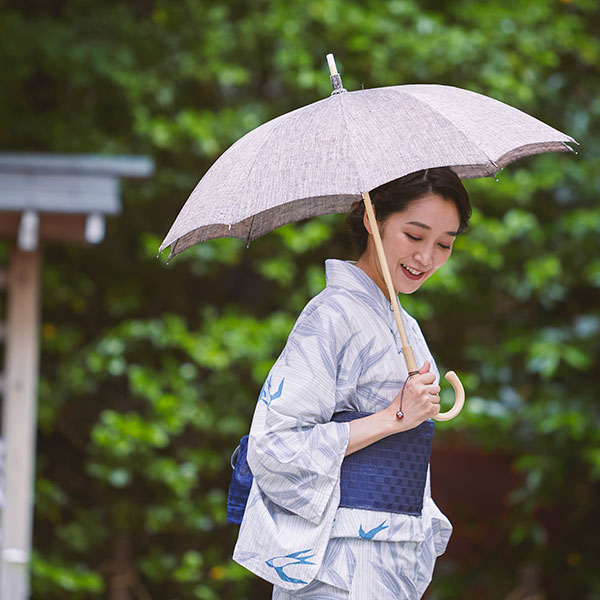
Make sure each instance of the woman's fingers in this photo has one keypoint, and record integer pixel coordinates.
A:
(425, 378)
(421, 397)
(424, 368)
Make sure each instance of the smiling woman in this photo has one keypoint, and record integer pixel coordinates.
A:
(419, 217)
(340, 504)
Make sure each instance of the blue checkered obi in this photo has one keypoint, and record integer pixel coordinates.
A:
(388, 475)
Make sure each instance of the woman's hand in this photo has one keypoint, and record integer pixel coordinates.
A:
(418, 401)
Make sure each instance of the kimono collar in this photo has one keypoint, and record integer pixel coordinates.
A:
(346, 275)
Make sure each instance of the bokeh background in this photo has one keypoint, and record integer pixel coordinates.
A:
(150, 371)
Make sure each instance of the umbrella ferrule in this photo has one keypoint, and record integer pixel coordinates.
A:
(336, 83)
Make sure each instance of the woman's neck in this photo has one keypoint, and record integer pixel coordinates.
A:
(369, 263)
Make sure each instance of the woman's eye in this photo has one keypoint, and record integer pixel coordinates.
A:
(444, 246)
(412, 237)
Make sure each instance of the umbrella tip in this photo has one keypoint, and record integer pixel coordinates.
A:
(331, 64)
(334, 76)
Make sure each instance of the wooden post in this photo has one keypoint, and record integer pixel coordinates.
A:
(19, 421)
(122, 576)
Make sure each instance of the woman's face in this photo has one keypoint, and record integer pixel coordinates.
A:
(417, 241)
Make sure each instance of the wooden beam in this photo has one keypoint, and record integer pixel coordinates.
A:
(76, 164)
(54, 227)
(19, 422)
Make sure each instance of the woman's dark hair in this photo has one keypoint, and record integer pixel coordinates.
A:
(397, 195)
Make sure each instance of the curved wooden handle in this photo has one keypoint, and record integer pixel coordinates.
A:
(459, 401)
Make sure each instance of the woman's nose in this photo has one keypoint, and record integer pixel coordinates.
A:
(424, 256)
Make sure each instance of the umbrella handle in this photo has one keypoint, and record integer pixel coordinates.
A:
(459, 401)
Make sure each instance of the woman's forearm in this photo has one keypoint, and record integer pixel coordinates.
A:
(367, 430)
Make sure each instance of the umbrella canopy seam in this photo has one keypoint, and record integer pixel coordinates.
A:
(351, 140)
(452, 124)
(267, 138)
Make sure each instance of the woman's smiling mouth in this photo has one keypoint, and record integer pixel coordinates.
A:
(412, 273)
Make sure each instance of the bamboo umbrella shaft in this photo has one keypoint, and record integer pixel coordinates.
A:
(409, 357)
(407, 351)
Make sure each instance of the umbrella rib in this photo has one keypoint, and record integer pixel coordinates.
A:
(264, 143)
(353, 144)
(440, 114)
(275, 129)
(394, 300)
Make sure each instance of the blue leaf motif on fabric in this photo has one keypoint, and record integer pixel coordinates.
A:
(267, 396)
(369, 535)
(279, 563)
(262, 397)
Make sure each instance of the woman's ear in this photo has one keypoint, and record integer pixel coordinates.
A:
(367, 223)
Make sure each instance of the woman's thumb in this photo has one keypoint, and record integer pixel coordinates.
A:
(425, 368)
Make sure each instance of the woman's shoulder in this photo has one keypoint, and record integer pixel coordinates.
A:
(408, 318)
(330, 316)
(333, 304)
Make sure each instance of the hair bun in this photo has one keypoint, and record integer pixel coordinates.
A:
(396, 196)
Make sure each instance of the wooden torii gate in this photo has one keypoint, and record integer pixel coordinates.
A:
(42, 197)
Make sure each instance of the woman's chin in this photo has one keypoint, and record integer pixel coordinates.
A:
(407, 291)
(408, 287)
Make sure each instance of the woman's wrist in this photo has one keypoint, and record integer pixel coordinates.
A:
(390, 423)
(371, 429)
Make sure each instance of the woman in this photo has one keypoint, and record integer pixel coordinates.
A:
(343, 355)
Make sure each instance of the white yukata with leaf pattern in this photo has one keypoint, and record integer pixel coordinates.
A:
(342, 354)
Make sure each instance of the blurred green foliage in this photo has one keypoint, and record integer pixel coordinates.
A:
(151, 371)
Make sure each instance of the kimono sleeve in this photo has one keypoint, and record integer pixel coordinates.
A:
(295, 452)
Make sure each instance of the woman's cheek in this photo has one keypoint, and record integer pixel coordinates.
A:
(444, 259)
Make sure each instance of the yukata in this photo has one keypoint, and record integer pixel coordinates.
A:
(343, 354)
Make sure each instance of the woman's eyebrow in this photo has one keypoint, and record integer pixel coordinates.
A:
(424, 226)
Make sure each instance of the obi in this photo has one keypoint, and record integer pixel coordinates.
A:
(388, 476)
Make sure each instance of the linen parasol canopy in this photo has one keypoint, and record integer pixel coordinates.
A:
(321, 158)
